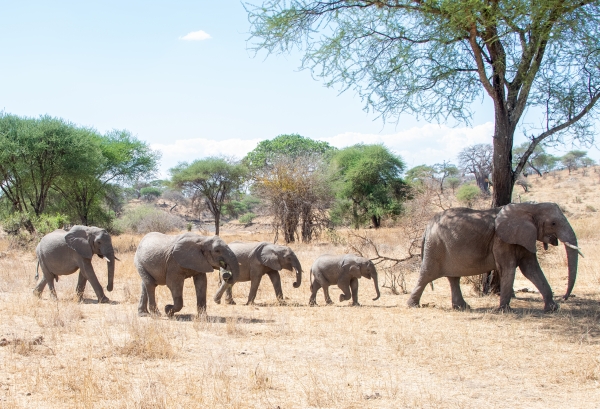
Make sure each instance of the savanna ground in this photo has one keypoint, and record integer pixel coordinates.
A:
(66, 354)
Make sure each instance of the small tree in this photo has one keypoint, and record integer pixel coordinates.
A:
(150, 193)
(477, 160)
(369, 177)
(467, 194)
(213, 180)
(573, 159)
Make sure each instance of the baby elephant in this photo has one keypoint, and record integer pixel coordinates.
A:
(344, 271)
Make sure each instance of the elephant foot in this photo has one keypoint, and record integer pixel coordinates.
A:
(104, 300)
(37, 293)
(503, 308)
(461, 307)
(250, 302)
(281, 302)
(356, 304)
(312, 303)
(169, 310)
(551, 307)
(217, 300)
(343, 298)
(229, 302)
(413, 304)
(329, 302)
(143, 314)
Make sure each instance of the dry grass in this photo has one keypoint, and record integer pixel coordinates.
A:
(70, 355)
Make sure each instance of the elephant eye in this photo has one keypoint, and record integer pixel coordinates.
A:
(554, 223)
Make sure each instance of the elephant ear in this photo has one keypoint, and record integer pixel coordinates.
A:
(516, 226)
(267, 255)
(188, 254)
(77, 239)
(350, 266)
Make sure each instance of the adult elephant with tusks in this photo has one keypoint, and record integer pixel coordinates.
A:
(464, 242)
(64, 252)
(258, 259)
(168, 260)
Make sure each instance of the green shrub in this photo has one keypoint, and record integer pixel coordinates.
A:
(247, 218)
(146, 219)
(150, 193)
(17, 222)
(467, 194)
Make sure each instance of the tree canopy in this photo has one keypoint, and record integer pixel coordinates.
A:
(433, 58)
(290, 146)
(369, 177)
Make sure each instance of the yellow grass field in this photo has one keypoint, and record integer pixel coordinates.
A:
(382, 355)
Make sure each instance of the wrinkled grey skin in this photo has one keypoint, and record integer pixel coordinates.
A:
(169, 260)
(464, 242)
(344, 270)
(63, 253)
(258, 259)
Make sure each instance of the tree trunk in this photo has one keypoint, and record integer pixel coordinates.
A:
(502, 173)
(217, 222)
(376, 221)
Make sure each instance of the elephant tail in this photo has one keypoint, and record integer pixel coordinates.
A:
(310, 280)
(431, 284)
(37, 271)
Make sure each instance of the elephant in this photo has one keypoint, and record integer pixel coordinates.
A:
(64, 252)
(464, 242)
(258, 259)
(168, 260)
(344, 270)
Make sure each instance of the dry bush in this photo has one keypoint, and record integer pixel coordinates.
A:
(146, 219)
(147, 341)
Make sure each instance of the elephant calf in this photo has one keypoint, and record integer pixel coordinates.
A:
(63, 253)
(258, 259)
(344, 270)
(169, 260)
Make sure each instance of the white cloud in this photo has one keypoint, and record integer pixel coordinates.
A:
(427, 144)
(196, 36)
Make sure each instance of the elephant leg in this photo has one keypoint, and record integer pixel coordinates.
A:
(458, 302)
(507, 280)
(314, 288)
(229, 296)
(276, 281)
(91, 277)
(150, 290)
(143, 304)
(176, 287)
(354, 291)
(81, 282)
(41, 284)
(415, 295)
(254, 283)
(345, 287)
(326, 295)
(200, 284)
(531, 269)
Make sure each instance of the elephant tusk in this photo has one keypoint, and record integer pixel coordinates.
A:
(108, 260)
(574, 248)
(117, 258)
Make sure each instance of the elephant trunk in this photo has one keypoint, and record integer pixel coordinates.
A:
(233, 266)
(374, 276)
(570, 241)
(298, 268)
(110, 264)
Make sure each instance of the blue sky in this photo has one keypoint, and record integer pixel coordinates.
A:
(125, 65)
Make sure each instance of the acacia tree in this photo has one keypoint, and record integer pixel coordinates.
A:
(477, 160)
(433, 58)
(369, 177)
(213, 180)
(34, 154)
(121, 159)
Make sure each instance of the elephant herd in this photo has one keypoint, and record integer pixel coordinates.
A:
(457, 242)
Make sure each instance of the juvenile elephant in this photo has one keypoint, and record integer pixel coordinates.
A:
(258, 259)
(63, 253)
(344, 270)
(169, 260)
(464, 242)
